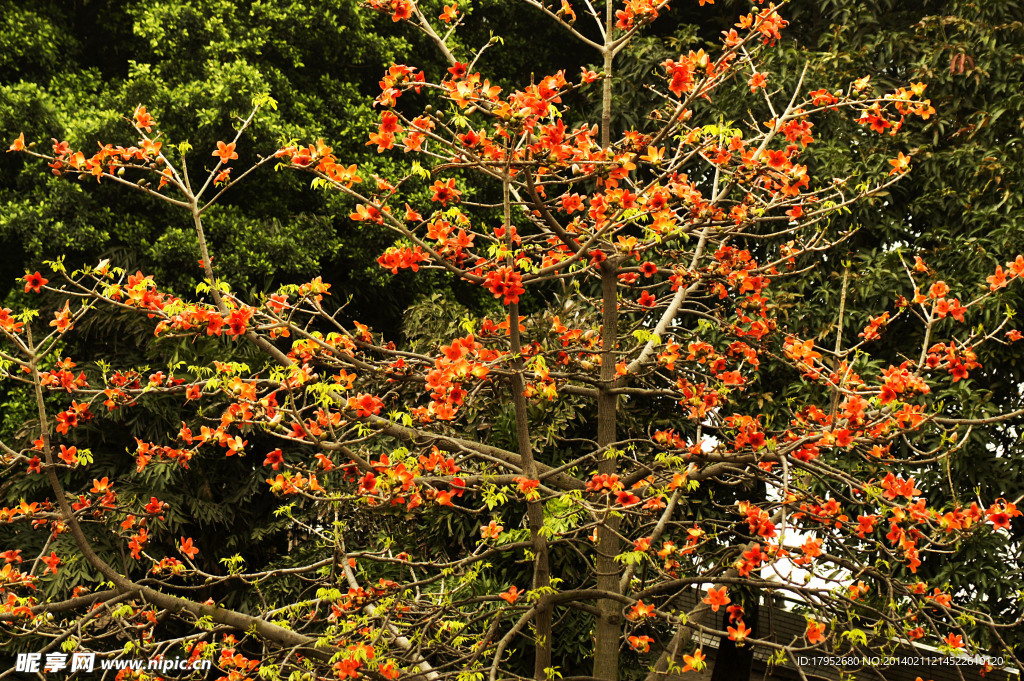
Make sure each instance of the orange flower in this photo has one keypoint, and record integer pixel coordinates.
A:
(188, 549)
(640, 611)
(641, 644)
(274, 459)
(954, 640)
(716, 598)
(151, 148)
(739, 633)
(18, 144)
(900, 164)
(694, 662)
(567, 11)
(811, 548)
(938, 290)
(997, 280)
(445, 192)
(1000, 516)
(815, 632)
(510, 596)
(654, 155)
(35, 281)
(777, 159)
(450, 12)
(69, 455)
(143, 119)
(1016, 266)
(52, 561)
(225, 152)
(62, 318)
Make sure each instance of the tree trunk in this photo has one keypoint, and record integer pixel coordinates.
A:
(734, 663)
(608, 629)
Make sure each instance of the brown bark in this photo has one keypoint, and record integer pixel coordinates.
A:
(608, 628)
(534, 508)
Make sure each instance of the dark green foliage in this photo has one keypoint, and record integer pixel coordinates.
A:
(960, 209)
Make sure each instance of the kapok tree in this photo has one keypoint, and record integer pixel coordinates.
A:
(631, 267)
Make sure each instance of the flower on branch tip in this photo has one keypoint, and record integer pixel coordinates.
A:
(641, 644)
(997, 280)
(52, 561)
(225, 152)
(445, 192)
(527, 487)
(739, 633)
(491, 531)
(640, 610)
(716, 598)
(62, 318)
(188, 549)
(900, 164)
(143, 119)
(274, 459)
(777, 159)
(150, 148)
(400, 9)
(567, 12)
(505, 284)
(815, 632)
(35, 281)
(155, 506)
(450, 13)
(18, 144)
(654, 155)
(938, 290)
(69, 455)
(459, 71)
(1000, 515)
(510, 596)
(694, 662)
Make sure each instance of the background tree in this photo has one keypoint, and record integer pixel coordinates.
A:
(958, 200)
